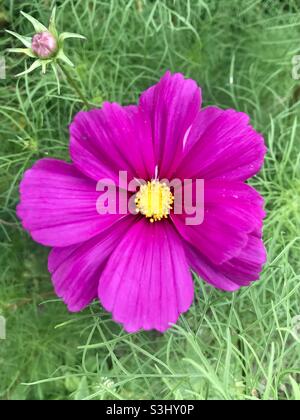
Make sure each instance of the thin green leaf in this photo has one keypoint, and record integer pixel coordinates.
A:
(295, 388)
(54, 68)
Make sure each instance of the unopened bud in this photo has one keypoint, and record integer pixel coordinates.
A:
(43, 44)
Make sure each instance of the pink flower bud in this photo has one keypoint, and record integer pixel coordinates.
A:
(44, 44)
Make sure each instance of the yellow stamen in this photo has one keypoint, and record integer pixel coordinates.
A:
(154, 200)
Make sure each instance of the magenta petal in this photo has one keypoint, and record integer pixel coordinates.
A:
(147, 283)
(58, 204)
(246, 267)
(237, 272)
(232, 210)
(76, 269)
(204, 119)
(171, 106)
(112, 139)
(222, 144)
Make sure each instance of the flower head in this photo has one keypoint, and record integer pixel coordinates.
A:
(139, 262)
(46, 46)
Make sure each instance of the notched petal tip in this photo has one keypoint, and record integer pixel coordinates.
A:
(52, 25)
(153, 294)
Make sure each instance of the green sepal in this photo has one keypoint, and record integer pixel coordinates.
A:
(52, 25)
(34, 65)
(62, 56)
(66, 35)
(26, 51)
(24, 39)
(38, 26)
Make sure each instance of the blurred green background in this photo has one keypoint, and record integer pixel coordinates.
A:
(244, 345)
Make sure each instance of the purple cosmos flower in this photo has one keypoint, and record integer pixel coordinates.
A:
(141, 271)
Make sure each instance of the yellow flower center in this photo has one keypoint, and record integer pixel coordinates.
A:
(154, 200)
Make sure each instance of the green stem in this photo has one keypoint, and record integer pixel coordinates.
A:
(74, 85)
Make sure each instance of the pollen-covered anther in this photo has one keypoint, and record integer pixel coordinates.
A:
(154, 200)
